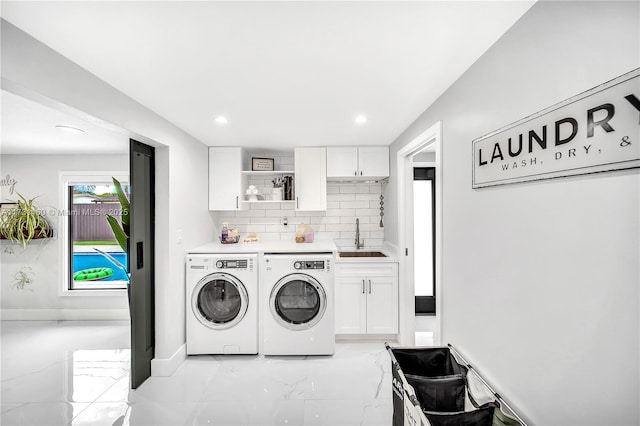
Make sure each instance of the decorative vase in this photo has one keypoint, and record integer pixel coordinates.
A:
(276, 194)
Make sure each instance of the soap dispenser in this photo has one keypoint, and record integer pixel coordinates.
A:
(225, 232)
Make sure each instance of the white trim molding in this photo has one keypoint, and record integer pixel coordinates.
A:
(164, 367)
(431, 138)
(64, 314)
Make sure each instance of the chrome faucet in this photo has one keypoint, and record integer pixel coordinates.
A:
(359, 244)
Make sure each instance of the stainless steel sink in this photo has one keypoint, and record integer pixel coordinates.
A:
(361, 254)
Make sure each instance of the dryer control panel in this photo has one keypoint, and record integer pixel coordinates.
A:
(310, 264)
(234, 264)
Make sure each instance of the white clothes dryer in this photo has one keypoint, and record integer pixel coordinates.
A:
(297, 309)
(222, 304)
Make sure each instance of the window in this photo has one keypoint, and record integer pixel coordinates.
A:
(92, 259)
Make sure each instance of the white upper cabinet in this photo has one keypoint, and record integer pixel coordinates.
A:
(311, 178)
(357, 163)
(226, 180)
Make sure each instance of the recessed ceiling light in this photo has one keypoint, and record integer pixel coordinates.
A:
(221, 120)
(69, 129)
(361, 119)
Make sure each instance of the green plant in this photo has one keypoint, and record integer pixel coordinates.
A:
(24, 222)
(121, 232)
(22, 278)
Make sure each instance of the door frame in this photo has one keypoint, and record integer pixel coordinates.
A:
(431, 138)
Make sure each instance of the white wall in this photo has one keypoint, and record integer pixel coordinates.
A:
(37, 175)
(540, 280)
(33, 70)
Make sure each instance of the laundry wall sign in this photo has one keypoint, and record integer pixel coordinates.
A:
(595, 131)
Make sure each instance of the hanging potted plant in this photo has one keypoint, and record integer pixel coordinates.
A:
(24, 222)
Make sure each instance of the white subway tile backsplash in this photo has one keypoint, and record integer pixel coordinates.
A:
(367, 212)
(367, 196)
(238, 221)
(361, 189)
(347, 188)
(326, 219)
(354, 204)
(265, 220)
(254, 228)
(343, 227)
(349, 219)
(310, 214)
(345, 203)
(341, 197)
(276, 213)
(341, 212)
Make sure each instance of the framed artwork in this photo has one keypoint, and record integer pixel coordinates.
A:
(262, 164)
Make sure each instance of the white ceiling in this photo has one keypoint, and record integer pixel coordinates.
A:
(283, 73)
(30, 128)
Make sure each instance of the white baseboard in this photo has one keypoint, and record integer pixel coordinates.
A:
(64, 314)
(366, 338)
(164, 367)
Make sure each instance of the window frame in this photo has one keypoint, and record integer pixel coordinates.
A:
(67, 178)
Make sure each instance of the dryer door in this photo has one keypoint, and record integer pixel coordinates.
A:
(219, 301)
(298, 301)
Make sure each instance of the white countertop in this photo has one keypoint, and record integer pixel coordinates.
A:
(267, 246)
(278, 246)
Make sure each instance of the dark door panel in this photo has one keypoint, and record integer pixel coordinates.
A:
(141, 243)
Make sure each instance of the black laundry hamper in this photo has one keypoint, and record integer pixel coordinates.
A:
(431, 388)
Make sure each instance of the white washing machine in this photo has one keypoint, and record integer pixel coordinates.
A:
(296, 302)
(222, 304)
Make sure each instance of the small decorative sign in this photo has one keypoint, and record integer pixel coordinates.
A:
(262, 164)
(595, 131)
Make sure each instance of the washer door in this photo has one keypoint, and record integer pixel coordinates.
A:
(219, 301)
(298, 301)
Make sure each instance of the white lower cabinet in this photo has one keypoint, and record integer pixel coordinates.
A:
(366, 298)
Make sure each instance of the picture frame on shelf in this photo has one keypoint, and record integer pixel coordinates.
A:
(262, 164)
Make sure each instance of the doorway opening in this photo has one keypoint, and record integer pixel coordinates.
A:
(33, 120)
(424, 223)
(420, 238)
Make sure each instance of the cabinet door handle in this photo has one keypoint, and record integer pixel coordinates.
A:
(362, 286)
(369, 286)
(237, 204)
(297, 202)
(360, 172)
(355, 173)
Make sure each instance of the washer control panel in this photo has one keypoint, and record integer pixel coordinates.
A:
(310, 264)
(234, 264)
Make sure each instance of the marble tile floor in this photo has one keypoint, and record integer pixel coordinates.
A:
(77, 373)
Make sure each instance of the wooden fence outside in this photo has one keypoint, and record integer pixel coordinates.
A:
(89, 221)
